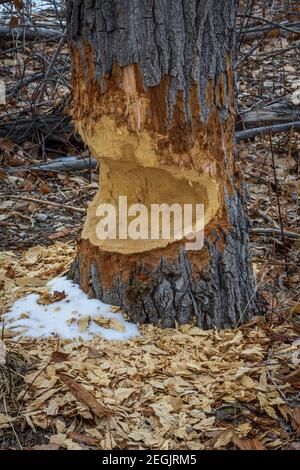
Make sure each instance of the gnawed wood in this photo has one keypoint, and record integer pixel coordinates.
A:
(157, 111)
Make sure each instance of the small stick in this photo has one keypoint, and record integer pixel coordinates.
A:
(266, 217)
(271, 231)
(261, 131)
(49, 203)
(278, 201)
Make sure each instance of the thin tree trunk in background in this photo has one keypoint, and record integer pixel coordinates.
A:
(153, 98)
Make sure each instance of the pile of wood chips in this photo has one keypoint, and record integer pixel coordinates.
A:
(167, 389)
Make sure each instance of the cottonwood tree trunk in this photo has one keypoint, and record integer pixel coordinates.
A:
(153, 91)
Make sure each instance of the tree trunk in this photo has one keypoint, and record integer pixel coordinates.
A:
(153, 90)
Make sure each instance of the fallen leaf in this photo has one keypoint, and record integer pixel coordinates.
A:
(60, 234)
(255, 351)
(7, 145)
(296, 420)
(18, 4)
(13, 22)
(162, 411)
(247, 444)
(11, 273)
(61, 440)
(83, 438)
(84, 396)
(44, 188)
(243, 429)
(109, 323)
(145, 436)
(58, 356)
(46, 298)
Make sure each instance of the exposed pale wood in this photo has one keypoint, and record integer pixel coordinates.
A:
(157, 111)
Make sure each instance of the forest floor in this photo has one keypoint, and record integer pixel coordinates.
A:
(167, 389)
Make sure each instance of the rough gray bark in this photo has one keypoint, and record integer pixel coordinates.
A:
(189, 42)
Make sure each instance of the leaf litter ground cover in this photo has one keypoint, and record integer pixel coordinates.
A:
(171, 389)
(165, 389)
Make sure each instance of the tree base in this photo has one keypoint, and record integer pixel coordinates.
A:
(170, 286)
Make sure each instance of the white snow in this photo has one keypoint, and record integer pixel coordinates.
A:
(62, 318)
(37, 6)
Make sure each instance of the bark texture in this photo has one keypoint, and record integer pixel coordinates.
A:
(164, 290)
(185, 40)
(161, 72)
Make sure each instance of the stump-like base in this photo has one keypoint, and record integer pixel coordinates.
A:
(168, 286)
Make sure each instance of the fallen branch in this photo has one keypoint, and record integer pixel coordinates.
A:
(265, 216)
(54, 127)
(284, 28)
(58, 126)
(274, 231)
(60, 164)
(277, 113)
(6, 32)
(48, 203)
(12, 89)
(261, 131)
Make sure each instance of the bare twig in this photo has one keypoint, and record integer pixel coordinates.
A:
(278, 201)
(60, 164)
(48, 203)
(261, 131)
(6, 32)
(273, 231)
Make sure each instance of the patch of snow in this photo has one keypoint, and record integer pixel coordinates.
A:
(62, 318)
(37, 6)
